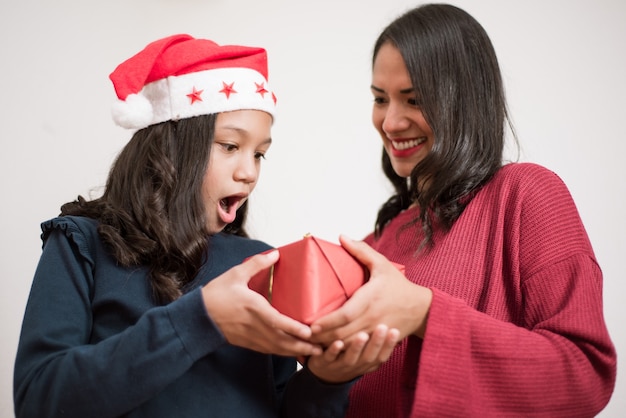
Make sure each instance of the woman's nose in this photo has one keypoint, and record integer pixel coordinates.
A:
(395, 119)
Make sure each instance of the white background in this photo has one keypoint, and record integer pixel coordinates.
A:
(564, 63)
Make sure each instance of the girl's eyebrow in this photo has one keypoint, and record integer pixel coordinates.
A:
(243, 131)
(403, 91)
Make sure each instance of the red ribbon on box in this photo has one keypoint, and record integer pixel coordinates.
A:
(312, 277)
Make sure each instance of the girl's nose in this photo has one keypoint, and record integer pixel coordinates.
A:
(247, 170)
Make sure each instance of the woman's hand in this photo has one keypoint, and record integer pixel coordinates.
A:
(387, 298)
(364, 354)
(248, 320)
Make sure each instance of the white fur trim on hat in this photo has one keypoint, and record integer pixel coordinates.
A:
(193, 94)
(133, 113)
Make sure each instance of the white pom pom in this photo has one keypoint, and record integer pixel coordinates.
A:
(134, 113)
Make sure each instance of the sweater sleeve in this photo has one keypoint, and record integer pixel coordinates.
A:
(558, 361)
(561, 368)
(58, 373)
(308, 397)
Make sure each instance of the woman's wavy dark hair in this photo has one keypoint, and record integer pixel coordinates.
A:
(152, 212)
(457, 80)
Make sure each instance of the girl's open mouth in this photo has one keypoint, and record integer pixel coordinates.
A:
(228, 206)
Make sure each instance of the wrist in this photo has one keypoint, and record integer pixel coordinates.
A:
(422, 310)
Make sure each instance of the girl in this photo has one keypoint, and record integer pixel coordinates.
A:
(140, 306)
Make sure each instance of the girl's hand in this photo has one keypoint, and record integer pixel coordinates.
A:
(364, 354)
(248, 320)
(387, 298)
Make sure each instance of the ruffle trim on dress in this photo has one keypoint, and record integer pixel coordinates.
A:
(69, 225)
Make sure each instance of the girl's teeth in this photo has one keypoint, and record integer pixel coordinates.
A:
(407, 144)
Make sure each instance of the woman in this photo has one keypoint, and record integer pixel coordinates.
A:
(140, 305)
(501, 305)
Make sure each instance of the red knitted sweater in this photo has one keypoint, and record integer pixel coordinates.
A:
(516, 326)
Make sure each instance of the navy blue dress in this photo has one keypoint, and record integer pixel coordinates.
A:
(94, 343)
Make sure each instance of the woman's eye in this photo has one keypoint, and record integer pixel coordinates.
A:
(259, 155)
(379, 100)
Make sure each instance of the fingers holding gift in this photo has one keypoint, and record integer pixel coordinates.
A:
(381, 345)
(262, 333)
(370, 350)
(246, 318)
(365, 254)
(341, 323)
(364, 354)
(387, 298)
(257, 263)
(354, 316)
(332, 352)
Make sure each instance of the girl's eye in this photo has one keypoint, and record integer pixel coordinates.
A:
(228, 147)
(259, 155)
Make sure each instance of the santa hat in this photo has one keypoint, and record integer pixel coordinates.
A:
(180, 77)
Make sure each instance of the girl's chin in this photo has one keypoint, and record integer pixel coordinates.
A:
(213, 229)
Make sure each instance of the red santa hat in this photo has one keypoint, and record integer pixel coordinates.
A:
(180, 77)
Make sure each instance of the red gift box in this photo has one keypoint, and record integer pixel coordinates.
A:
(312, 277)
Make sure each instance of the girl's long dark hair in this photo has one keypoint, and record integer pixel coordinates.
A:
(151, 212)
(457, 80)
